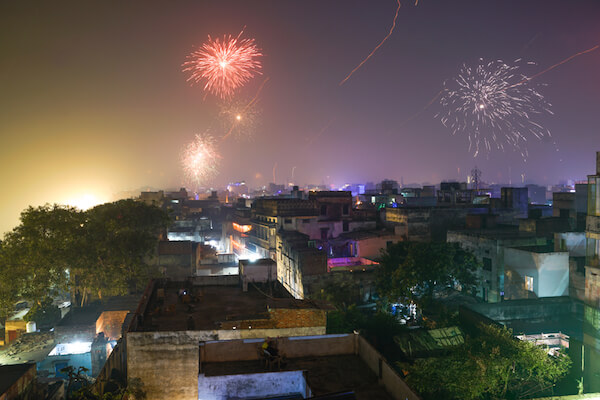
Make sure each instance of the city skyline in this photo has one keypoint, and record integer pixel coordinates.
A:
(95, 101)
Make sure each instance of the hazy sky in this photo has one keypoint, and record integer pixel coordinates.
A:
(93, 100)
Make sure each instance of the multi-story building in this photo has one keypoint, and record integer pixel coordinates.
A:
(489, 247)
(592, 233)
(297, 259)
(269, 215)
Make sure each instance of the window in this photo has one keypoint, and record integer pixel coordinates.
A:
(529, 283)
(324, 209)
(346, 209)
(287, 221)
(487, 264)
(345, 226)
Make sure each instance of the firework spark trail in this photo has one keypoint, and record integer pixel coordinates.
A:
(484, 103)
(244, 117)
(378, 46)
(274, 169)
(200, 159)
(224, 65)
(550, 68)
(320, 132)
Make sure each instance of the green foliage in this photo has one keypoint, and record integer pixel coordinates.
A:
(492, 365)
(59, 248)
(79, 387)
(412, 270)
(341, 291)
(44, 313)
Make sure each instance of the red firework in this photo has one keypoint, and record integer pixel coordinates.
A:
(224, 65)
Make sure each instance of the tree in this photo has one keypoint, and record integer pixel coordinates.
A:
(491, 365)
(35, 257)
(415, 271)
(120, 237)
(102, 251)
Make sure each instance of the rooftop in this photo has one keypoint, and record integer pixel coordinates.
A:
(209, 306)
(9, 374)
(365, 234)
(329, 374)
(500, 233)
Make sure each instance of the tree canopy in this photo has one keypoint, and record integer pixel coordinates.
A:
(491, 365)
(101, 251)
(415, 270)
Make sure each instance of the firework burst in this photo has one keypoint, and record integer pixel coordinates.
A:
(494, 104)
(200, 160)
(224, 65)
(240, 118)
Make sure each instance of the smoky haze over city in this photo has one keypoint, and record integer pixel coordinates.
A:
(278, 199)
(95, 102)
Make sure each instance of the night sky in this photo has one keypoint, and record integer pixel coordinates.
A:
(93, 101)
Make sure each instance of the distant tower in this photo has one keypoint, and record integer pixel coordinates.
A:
(476, 178)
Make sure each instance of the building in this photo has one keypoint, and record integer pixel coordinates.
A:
(17, 381)
(268, 215)
(297, 259)
(489, 247)
(363, 243)
(592, 233)
(455, 193)
(515, 199)
(535, 271)
(205, 343)
(175, 322)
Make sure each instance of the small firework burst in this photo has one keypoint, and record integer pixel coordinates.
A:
(240, 119)
(224, 65)
(200, 160)
(494, 104)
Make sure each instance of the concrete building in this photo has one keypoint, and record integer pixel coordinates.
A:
(575, 244)
(206, 344)
(592, 233)
(297, 259)
(515, 199)
(167, 341)
(271, 214)
(363, 244)
(175, 259)
(489, 247)
(17, 381)
(455, 193)
(535, 271)
(425, 224)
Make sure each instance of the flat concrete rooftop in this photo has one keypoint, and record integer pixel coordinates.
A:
(324, 375)
(209, 306)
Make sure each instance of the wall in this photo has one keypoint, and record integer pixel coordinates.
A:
(21, 385)
(14, 329)
(166, 362)
(111, 322)
(388, 377)
(371, 247)
(263, 385)
(302, 346)
(74, 333)
(550, 271)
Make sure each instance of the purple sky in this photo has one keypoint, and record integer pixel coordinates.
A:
(93, 100)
